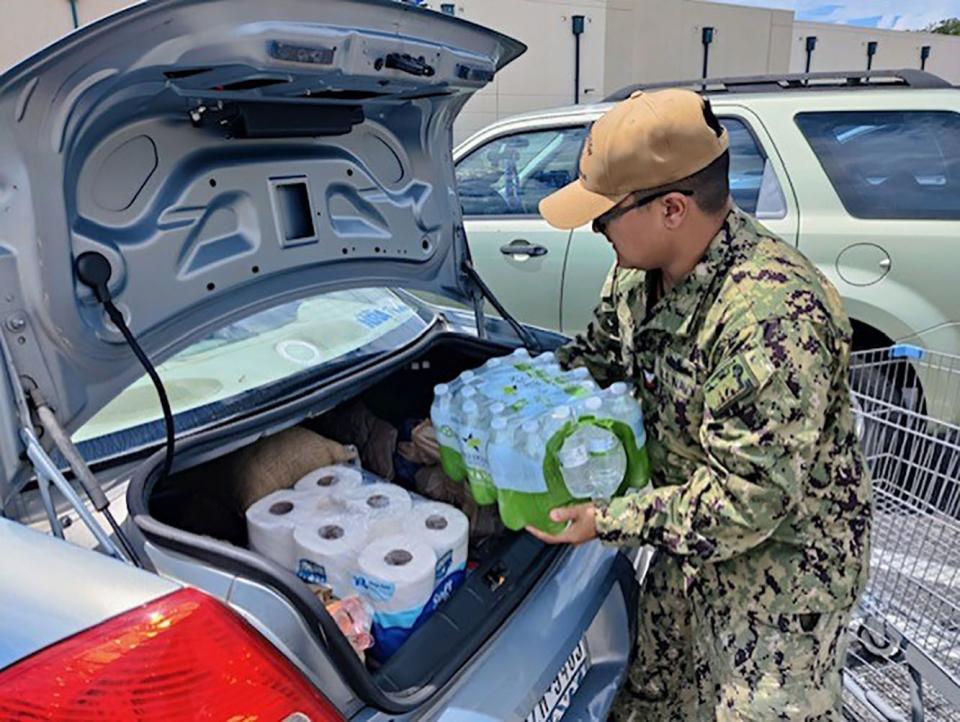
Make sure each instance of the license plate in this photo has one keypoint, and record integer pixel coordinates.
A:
(556, 700)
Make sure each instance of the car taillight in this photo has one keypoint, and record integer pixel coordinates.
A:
(182, 657)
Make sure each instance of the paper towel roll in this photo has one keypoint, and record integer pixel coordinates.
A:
(386, 507)
(326, 551)
(272, 519)
(396, 574)
(330, 481)
(447, 531)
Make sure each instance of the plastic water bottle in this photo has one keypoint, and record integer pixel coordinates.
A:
(580, 373)
(556, 421)
(520, 355)
(623, 407)
(499, 447)
(575, 467)
(473, 436)
(592, 406)
(441, 415)
(465, 379)
(608, 463)
(440, 408)
(545, 359)
(531, 446)
(589, 387)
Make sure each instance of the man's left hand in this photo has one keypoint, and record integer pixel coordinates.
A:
(582, 525)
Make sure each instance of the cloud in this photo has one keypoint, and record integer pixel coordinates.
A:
(886, 14)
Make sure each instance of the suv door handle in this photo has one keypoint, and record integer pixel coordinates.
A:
(521, 247)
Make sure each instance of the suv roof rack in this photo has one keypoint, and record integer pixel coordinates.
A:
(838, 80)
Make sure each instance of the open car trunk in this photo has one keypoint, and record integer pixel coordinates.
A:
(502, 567)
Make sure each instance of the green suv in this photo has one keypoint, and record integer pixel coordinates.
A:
(860, 170)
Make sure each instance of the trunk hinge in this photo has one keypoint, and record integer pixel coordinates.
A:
(48, 474)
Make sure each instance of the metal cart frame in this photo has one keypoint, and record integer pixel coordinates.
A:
(904, 658)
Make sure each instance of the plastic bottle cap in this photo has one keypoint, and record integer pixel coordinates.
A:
(553, 368)
(498, 423)
(470, 407)
(588, 386)
(498, 408)
(467, 376)
(580, 373)
(441, 389)
(571, 456)
(601, 443)
(561, 412)
(594, 403)
(530, 427)
(493, 363)
(618, 388)
(546, 358)
(469, 392)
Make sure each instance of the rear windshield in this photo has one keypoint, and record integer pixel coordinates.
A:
(890, 164)
(252, 362)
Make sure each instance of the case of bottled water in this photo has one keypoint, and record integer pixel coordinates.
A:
(530, 437)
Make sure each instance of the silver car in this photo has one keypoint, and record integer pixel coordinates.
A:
(231, 195)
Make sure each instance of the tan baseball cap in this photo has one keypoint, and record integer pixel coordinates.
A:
(647, 141)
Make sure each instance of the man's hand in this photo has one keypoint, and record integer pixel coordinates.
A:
(581, 529)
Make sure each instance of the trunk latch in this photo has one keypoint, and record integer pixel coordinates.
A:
(496, 576)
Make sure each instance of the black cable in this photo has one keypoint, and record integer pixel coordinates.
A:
(121, 324)
(93, 270)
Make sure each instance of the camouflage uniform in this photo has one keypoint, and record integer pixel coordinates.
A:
(761, 505)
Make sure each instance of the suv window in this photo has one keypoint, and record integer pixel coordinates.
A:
(512, 174)
(753, 183)
(890, 164)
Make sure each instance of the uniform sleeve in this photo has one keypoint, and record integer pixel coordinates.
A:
(765, 406)
(598, 348)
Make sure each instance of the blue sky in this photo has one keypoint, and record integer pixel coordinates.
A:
(888, 14)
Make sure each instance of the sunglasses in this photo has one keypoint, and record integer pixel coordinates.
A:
(600, 224)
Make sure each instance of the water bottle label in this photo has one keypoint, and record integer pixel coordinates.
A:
(473, 443)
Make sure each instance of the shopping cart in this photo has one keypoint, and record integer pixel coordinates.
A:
(904, 659)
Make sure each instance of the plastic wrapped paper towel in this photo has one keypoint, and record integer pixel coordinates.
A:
(330, 481)
(386, 507)
(447, 531)
(272, 519)
(327, 548)
(396, 575)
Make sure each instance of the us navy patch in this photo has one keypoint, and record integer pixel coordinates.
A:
(736, 379)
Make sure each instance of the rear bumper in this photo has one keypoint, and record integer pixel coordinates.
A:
(591, 593)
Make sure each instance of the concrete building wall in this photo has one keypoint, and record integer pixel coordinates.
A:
(542, 77)
(665, 40)
(845, 47)
(29, 25)
(624, 42)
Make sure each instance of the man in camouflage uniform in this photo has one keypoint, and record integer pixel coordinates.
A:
(738, 348)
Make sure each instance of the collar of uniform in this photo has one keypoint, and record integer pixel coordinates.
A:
(676, 310)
